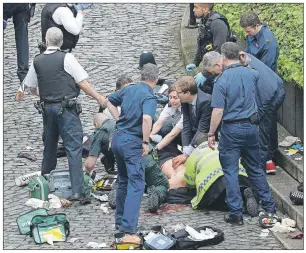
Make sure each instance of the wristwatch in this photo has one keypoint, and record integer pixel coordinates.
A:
(145, 142)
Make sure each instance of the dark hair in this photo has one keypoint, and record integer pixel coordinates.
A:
(230, 50)
(187, 83)
(209, 5)
(171, 89)
(249, 19)
(122, 80)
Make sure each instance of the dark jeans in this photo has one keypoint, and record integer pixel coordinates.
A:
(21, 20)
(69, 127)
(131, 180)
(241, 140)
(276, 104)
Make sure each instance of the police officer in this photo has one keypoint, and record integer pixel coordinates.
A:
(56, 77)
(262, 44)
(270, 95)
(67, 17)
(130, 143)
(21, 13)
(233, 100)
(213, 30)
(260, 40)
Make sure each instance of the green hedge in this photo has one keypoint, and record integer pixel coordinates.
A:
(286, 23)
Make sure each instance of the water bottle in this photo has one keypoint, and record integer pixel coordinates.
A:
(24, 180)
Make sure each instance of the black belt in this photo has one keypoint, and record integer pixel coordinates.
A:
(51, 102)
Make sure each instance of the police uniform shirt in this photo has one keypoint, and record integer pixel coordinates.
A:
(234, 91)
(135, 101)
(71, 66)
(268, 83)
(264, 47)
(64, 16)
(169, 112)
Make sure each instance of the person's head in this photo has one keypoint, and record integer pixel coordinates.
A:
(186, 89)
(202, 10)
(149, 74)
(146, 57)
(123, 81)
(230, 52)
(213, 62)
(99, 119)
(250, 23)
(54, 37)
(174, 100)
(243, 58)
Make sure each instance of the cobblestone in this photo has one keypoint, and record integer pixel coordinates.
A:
(113, 38)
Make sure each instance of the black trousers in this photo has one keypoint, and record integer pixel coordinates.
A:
(20, 20)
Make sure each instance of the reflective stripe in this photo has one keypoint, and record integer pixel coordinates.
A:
(205, 160)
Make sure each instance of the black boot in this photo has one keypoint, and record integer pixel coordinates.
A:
(251, 203)
(112, 197)
(153, 202)
(233, 219)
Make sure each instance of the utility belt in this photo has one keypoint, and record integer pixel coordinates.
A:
(253, 120)
(65, 103)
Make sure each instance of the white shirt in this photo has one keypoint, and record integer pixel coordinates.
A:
(168, 112)
(110, 116)
(64, 16)
(71, 66)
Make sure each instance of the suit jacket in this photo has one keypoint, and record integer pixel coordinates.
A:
(203, 115)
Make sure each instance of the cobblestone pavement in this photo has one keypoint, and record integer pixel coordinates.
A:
(112, 40)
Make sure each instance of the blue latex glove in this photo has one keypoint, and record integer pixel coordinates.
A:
(82, 7)
(190, 67)
(157, 138)
(4, 24)
(200, 79)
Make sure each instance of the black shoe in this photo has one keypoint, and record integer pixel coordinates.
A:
(112, 197)
(233, 219)
(153, 202)
(300, 188)
(80, 197)
(76, 197)
(297, 198)
(251, 203)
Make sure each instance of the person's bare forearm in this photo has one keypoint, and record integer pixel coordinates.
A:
(157, 126)
(113, 110)
(169, 137)
(89, 90)
(216, 117)
(146, 127)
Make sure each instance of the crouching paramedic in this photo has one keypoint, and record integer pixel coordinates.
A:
(204, 172)
(59, 77)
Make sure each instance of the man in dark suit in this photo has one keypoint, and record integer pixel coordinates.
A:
(196, 116)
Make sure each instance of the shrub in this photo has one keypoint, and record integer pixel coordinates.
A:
(286, 23)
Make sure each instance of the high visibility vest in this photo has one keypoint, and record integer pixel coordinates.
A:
(203, 168)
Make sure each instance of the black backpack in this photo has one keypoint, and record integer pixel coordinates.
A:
(183, 242)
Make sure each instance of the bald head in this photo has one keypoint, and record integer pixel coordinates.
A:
(99, 119)
(54, 37)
